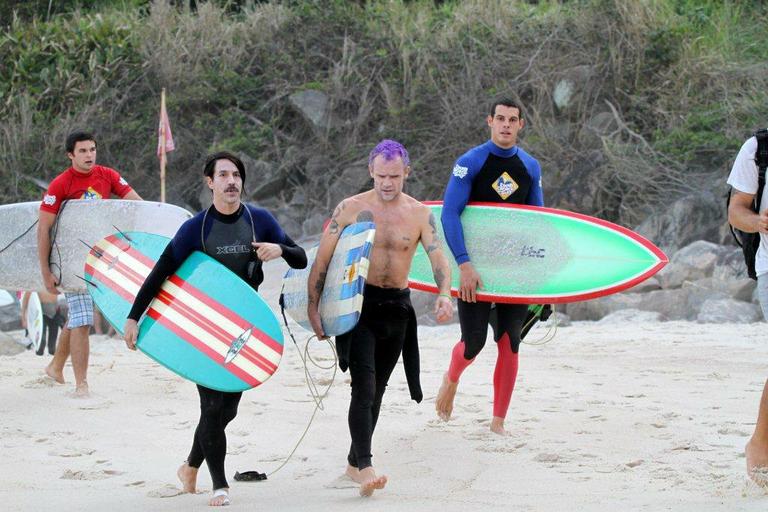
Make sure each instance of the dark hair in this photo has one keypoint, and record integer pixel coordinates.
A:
(506, 102)
(389, 149)
(75, 137)
(210, 164)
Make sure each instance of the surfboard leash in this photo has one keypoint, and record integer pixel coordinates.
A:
(312, 385)
(19, 237)
(548, 336)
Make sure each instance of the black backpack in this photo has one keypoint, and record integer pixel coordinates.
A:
(749, 242)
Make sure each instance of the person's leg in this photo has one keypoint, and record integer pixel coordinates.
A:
(363, 390)
(217, 408)
(79, 351)
(98, 324)
(80, 321)
(756, 450)
(55, 368)
(53, 333)
(473, 318)
(507, 322)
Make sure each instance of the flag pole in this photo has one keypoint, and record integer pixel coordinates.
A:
(162, 147)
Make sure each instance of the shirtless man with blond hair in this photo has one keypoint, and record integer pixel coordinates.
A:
(387, 325)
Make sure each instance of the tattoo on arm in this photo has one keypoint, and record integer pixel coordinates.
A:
(439, 277)
(320, 284)
(316, 291)
(365, 216)
(434, 244)
(333, 227)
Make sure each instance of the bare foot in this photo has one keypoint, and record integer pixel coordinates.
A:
(220, 498)
(369, 482)
(57, 376)
(353, 473)
(757, 462)
(188, 476)
(497, 426)
(81, 390)
(444, 401)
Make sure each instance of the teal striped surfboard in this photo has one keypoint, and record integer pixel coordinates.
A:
(532, 255)
(205, 324)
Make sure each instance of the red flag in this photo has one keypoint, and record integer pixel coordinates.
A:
(164, 130)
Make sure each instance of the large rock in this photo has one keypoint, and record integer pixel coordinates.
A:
(598, 308)
(580, 186)
(264, 179)
(730, 265)
(728, 310)
(674, 304)
(631, 315)
(352, 180)
(695, 261)
(566, 93)
(313, 106)
(699, 216)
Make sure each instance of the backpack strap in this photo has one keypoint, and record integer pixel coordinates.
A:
(761, 160)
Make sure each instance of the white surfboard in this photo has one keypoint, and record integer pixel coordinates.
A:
(34, 318)
(80, 224)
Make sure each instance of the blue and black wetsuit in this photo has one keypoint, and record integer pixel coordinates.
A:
(227, 239)
(488, 173)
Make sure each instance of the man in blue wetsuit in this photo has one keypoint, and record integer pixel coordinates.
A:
(496, 172)
(241, 237)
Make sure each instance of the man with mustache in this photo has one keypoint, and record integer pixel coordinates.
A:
(497, 171)
(82, 180)
(241, 237)
(387, 324)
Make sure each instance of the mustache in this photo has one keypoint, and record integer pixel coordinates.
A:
(232, 189)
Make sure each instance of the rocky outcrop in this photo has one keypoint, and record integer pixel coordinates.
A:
(703, 282)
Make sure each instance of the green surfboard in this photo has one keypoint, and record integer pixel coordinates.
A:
(534, 255)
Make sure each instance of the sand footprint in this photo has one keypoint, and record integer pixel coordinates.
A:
(70, 474)
(93, 404)
(153, 413)
(40, 382)
(71, 452)
(166, 491)
(342, 482)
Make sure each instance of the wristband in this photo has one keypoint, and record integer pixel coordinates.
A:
(444, 295)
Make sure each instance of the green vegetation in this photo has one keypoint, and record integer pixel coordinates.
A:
(661, 90)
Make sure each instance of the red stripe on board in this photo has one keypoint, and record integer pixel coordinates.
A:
(112, 285)
(226, 312)
(120, 243)
(122, 268)
(125, 246)
(215, 330)
(125, 294)
(202, 347)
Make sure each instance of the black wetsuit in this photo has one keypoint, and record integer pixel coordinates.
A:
(226, 238)
(387, 328)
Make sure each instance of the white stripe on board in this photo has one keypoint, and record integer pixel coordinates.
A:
(208, 339)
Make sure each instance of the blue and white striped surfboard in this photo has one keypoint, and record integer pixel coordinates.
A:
(342, 298)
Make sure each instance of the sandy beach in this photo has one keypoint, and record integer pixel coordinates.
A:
(640, 416)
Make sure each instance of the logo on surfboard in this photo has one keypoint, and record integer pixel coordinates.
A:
(237, 345)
